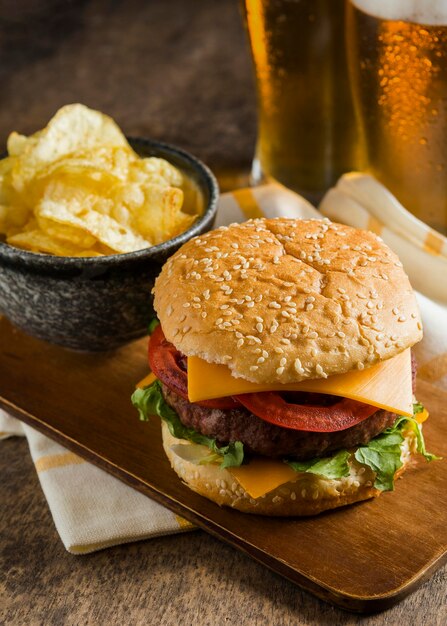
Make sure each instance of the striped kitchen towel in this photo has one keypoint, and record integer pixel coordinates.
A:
(93, 510)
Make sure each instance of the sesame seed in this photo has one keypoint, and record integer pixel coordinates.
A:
(186, 329)
(169, 310)
(280, 371)
(360, 365)
(395, 311)
(285, 341)
(309, 307)
(240, 343)
(283, 361)
(250, 305)
(285, 314)
(196, 305)
(401, 318)
(219, 321)
(274, 305)
(253, 368)
(279, 350)
(203, 314)
(341, 334)
(259, 327)
(253, 339)
(260, 360)
(186, 305)
(303, 493)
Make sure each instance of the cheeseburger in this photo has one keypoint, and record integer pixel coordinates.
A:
(282, 367)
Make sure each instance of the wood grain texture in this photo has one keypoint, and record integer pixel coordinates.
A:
(364, 557)
(182, 579)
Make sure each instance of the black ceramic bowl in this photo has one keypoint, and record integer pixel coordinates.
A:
(97, 303)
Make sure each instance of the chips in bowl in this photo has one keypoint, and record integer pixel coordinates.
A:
(77, 188)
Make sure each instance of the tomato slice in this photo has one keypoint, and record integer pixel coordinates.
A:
(271, 407)
(166, 362)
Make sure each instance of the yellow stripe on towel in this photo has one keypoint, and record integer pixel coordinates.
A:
(247, 202)
(57, 460)
(433, 243)
(434, 369)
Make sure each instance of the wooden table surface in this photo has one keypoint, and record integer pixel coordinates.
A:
(176, 70)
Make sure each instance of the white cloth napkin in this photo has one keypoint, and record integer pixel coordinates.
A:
(93, 510)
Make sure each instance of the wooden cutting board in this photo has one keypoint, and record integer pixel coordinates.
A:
(364, 557)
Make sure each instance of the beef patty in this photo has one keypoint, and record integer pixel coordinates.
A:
(269, 440)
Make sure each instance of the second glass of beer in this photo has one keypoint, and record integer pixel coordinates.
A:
(306, 131)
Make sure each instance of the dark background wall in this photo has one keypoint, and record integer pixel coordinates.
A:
(176, 70)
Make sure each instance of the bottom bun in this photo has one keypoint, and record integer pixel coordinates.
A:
(308, 494)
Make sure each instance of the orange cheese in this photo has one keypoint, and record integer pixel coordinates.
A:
(147, 380)
(262, 475)
(422, 416)
(387, 385)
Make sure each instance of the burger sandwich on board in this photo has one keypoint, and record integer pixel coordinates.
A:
(282, 367)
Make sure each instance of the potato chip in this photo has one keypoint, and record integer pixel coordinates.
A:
(74, 127)
(104, 228)
(156, 216)
(16, 144)
(70, 234)
(38, 241)
(77, 188)
(155, 170)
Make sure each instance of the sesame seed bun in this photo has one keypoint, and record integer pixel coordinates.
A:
(283, 300)
(309, 494)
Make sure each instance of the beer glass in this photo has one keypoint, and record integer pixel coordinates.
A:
(306, 130)
(398, 67)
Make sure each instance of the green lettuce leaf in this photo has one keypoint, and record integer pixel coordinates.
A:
(154, 322)
(149, 401)
(381, 454)
(418, 407)
(335, 466)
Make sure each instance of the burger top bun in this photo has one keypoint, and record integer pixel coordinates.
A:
(282, 300)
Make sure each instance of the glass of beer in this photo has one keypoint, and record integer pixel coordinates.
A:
(398, 68)
(306, 129)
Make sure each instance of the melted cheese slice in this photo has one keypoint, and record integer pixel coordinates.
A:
(262, 475)
(387, 385)
(147, 380)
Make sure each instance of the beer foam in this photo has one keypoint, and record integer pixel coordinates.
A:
(429, 12)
